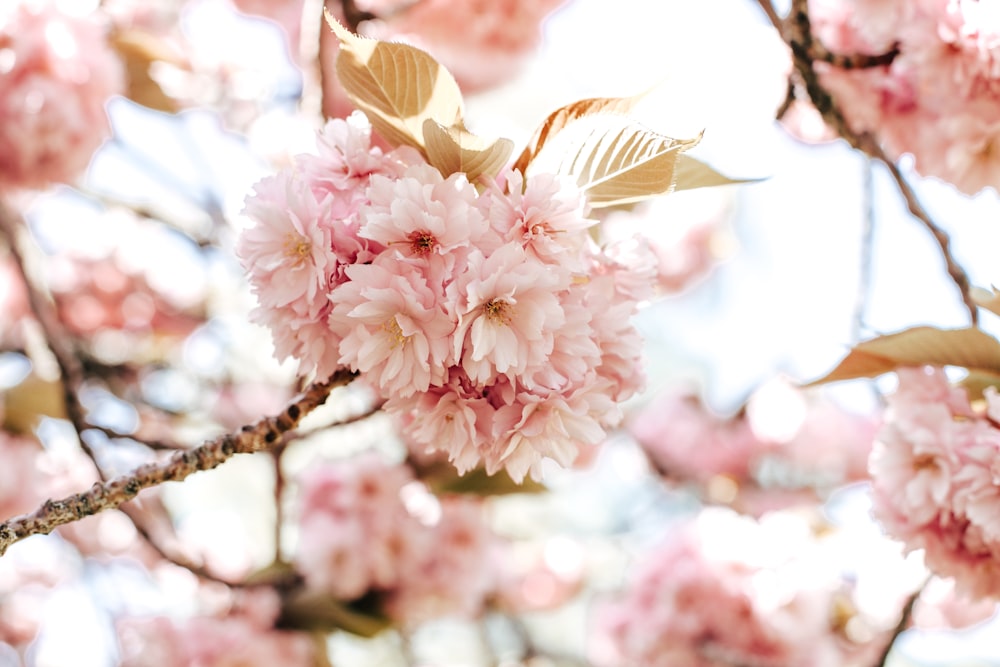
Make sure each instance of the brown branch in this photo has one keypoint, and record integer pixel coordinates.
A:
(855, 60)
(110, 494)
(904, 621)
(806, 51)
(354, 17)
(279, 494)
(56, 337)
(771, 14)
(169, 555)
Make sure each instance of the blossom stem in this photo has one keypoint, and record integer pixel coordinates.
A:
(110, 494)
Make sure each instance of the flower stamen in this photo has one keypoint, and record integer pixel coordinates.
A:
(422, 242)
(391, 327)
(498, 311)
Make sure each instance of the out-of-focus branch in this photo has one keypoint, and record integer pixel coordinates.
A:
(56, 337)
(796, 30)
(771, 14)
(353, 16)
(904, 621)
(110, 494)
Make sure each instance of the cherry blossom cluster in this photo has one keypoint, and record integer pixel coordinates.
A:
(369, 527)
(935, 468)
(777, 600)
(938, 99)
(786, 446)
(56, 72)
(483, 312)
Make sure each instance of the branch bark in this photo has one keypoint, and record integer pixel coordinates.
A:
(110, 494)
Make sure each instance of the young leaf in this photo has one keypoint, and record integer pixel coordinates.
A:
(454, 149)
(140, 52)
(988, 299)
(397, 86)
(691, 173)
(969, 348)
(612, 159)
(565, 115)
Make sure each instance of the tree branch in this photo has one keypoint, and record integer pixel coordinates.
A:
(904, 621)
(806, 51)
(110, 494)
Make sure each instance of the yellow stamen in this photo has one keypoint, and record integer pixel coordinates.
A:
(498, 311)
(391, 327)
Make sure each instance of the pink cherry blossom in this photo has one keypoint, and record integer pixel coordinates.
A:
(56, 73)
(368, 526)
(354, 530)
(423, 215)
(507, 313)
(457, 570)
(345, 162)
(545, 214)
(491, 323)
(934, 480)
(287, 251)
(534, 427)
(695, 600)
(393, 326)
(937, 100)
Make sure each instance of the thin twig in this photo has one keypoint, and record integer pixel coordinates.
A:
(169, 555)
(56, 337)
(904, 621)
(279, 494)
(110, 494)
(797, 32)
(771, 14)
(71, 378)
(353, 16)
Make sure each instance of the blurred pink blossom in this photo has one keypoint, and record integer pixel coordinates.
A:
(785, 447)
(368, 526)
(481, 42)
(725, 590)
(56, 73)
(225, 641)
(938, 99)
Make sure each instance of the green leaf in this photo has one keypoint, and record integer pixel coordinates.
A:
(613, 160)
(969, 348)
(397, 86)
(456, 150)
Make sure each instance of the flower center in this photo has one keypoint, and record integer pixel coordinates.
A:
(391, 327)
(422, 242)
(498, 311)
(297, 247)
(925, 462)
